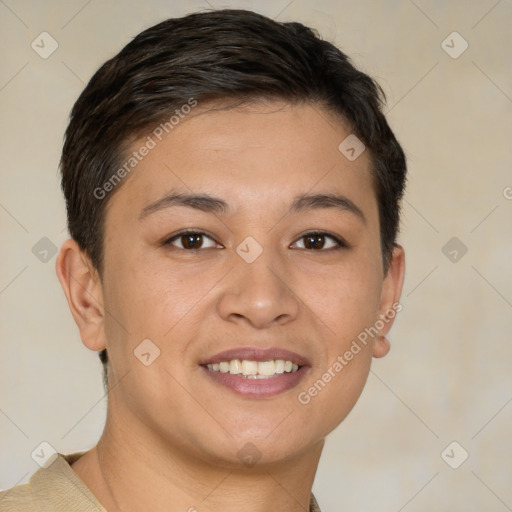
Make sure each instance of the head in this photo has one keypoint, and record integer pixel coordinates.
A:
(253, 113)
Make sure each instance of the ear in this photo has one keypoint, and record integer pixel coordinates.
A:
(82, 287)
(390, 300)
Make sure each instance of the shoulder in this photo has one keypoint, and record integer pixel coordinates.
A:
(55, 488)
(17, 499)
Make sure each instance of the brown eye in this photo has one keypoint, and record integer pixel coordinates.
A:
(314, 242)
(320, 241)
(191, 240)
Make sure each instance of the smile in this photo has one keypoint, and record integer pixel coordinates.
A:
(254, 369)
(254, 372)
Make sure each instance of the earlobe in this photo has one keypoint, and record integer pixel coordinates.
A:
(381, 346)
(82, 287)
(390, 300)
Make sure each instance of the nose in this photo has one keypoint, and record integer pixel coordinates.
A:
(258, 294)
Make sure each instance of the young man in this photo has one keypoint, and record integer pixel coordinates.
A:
(233, 195)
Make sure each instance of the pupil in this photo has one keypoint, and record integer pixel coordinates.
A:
(192, 241)
(315, 241)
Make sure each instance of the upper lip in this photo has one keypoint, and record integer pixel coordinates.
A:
(256, 354)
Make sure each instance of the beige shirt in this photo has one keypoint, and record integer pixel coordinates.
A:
(58, 488)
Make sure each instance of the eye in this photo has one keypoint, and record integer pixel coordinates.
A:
(191, 240)
(195, 240)
(318, 241)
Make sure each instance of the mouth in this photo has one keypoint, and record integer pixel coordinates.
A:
(254, 369)
(256, 373)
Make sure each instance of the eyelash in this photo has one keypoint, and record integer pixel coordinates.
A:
(341, 244)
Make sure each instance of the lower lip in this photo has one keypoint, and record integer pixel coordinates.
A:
(258, 388)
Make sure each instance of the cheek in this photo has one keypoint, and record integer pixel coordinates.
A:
(347, 303)
(147, 295)
(333, 390)
(346, 300)
(155, 300)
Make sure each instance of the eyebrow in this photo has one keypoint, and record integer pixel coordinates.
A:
(215, 205)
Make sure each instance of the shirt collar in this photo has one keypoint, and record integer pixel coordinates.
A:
(66, 485)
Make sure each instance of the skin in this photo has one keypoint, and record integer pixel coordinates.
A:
(172, 434)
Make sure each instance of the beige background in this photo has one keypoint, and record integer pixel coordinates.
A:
(448, 376)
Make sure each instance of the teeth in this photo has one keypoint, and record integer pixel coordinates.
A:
(254, 369)
(267, 368)
(249, 367)
(235, 367)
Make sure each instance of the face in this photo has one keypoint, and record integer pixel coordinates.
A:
(245, 234)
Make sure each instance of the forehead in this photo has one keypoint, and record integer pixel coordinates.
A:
(249, 155)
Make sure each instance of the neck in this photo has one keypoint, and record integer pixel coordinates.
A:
(129, 471)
